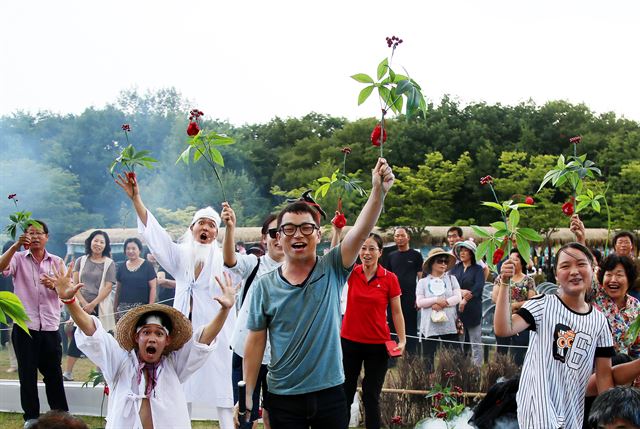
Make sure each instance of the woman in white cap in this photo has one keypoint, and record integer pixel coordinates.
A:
(437, 295)
(154, 351)
(470, 275)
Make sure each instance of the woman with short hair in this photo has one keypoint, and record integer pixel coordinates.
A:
(136, 279)
(523, 287)
(97, 271)
(470, 275)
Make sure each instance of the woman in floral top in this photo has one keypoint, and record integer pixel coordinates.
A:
(523, 287)
(611, 298)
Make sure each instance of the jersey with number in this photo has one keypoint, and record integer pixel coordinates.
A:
(559, 361)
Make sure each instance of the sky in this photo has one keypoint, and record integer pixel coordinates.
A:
(249, 61)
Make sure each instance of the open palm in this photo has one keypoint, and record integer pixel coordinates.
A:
(228, 297)
(62, 281)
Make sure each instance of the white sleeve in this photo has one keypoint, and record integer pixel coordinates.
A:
(192, 356)
(162, 246)
(244, 265)
(102, 349)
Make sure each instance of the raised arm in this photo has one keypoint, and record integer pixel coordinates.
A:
(228, 216)
(130, 187)
(6, 257)
(381, 179)
(577, 227)
(226, 301)
(66, 291)
(504, 323)
(335, 235)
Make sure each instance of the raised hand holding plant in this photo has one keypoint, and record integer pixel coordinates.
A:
(395, 92)
(203, 145)
(129, 158)
(575, 173)
(19, 219)
(506, 232)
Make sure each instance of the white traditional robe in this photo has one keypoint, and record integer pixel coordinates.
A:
(211, 384)
(120, 369)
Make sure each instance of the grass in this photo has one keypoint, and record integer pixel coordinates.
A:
(14, 421)
(80, 373)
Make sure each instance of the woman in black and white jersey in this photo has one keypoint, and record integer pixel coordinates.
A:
(567, 336)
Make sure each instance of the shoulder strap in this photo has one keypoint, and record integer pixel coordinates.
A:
(83, 259)
(247, 284)
(107, 264)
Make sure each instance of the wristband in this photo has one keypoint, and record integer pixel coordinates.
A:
(68, 301)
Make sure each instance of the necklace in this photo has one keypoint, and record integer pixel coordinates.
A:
(133, 269)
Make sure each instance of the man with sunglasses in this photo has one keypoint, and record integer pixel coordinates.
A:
(248, 268)
(299, 306)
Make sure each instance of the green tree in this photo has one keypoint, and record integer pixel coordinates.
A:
(426, 196)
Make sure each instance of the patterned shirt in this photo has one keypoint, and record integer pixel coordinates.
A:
(519, 290)
(619, 319)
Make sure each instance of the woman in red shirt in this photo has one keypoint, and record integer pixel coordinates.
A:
(365, 330)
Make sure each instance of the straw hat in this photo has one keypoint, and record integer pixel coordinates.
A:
(180, 331)
(466, 244)
(435, 252)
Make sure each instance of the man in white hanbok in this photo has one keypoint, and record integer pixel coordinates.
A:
(194, 261)
(154, 351)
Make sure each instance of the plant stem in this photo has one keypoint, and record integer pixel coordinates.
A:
(575, 193)
(126, 135)
(606, 245)
(344, 164)
(506, 225)
(382, 132)
(215, 170)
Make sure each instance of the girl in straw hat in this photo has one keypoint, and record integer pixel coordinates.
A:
(154, 351)
(437, 295)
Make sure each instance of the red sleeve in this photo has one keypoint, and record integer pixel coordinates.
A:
(394, 285)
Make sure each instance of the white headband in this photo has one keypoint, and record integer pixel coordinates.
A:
(206, 213)
(152, 319)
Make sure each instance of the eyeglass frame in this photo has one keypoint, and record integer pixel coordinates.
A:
(271, 232)
(298, 227)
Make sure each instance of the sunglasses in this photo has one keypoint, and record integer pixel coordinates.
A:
(442, 260)
(272, 232)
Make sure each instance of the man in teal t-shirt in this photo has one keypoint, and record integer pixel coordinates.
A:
(299, 305)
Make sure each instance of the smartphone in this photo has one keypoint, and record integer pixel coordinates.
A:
(391, 351)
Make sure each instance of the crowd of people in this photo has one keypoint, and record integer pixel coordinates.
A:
(194, 320)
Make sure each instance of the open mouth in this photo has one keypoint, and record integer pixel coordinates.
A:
(298, 246)
(204, 237)
(151, 350)
(613, 286)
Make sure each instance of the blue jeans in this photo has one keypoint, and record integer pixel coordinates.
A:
(323, 409)
(261, 383)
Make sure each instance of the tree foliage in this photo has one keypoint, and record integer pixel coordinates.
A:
(58, 164)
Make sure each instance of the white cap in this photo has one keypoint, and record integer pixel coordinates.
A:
(206, 213)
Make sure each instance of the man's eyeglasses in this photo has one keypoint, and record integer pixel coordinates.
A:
(289, 229)
(442, 261)
(272, 232)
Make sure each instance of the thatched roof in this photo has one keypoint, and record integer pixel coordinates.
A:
(119, 235)
(434, 235)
